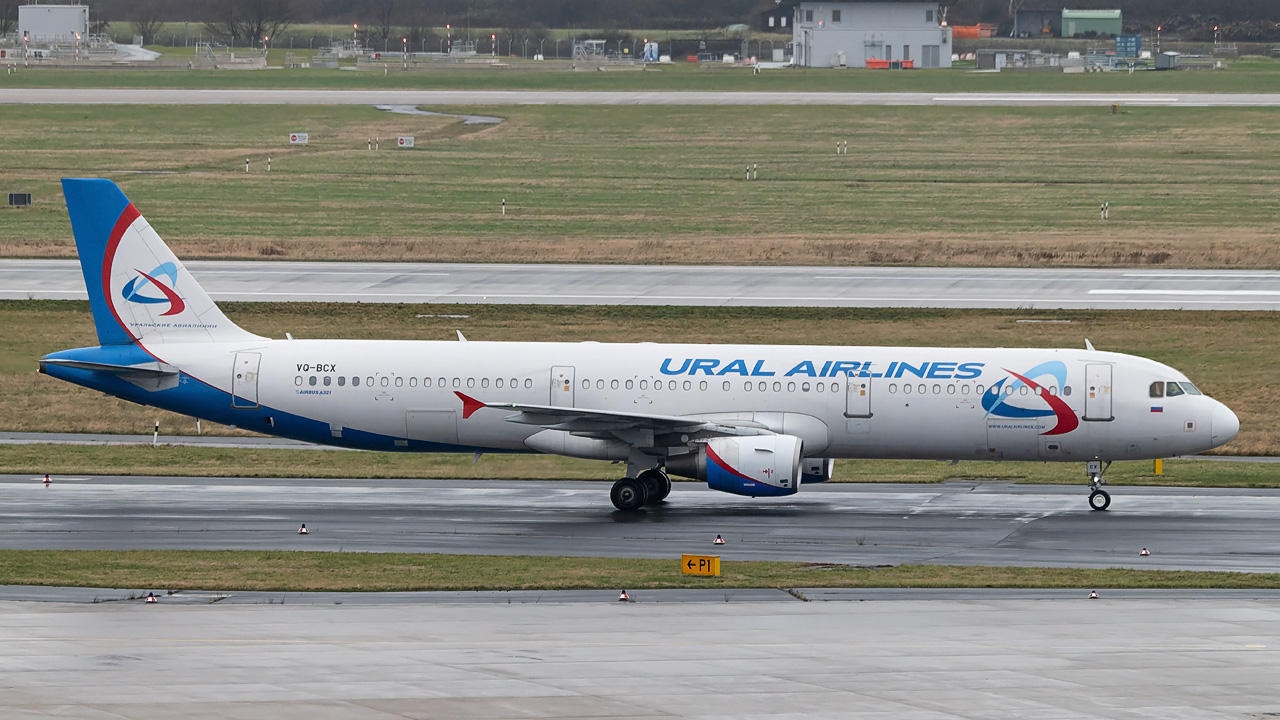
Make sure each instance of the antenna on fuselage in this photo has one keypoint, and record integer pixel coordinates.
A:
(460, 337)
(1088, 345)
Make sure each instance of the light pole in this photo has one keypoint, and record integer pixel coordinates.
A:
(355, 37)
(264, 45)
(405, 51)
(1158, 29)
(493, 44)
(448, 30)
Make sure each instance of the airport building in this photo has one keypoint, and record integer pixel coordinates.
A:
(873, 34)
(53, 23)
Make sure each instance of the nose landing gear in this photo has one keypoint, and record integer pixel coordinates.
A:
(1099, 499)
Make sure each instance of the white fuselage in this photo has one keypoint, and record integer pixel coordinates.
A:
(844, 402)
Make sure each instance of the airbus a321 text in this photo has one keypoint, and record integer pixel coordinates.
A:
(748, 419)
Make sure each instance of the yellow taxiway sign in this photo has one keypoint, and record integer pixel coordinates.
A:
(700, 565)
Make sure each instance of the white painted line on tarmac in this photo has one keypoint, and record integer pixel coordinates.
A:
(1223, 275)
(1251, 293)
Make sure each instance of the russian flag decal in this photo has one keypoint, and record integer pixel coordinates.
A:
(1157, 409)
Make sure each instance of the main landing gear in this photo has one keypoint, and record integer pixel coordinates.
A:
(648, 488)
(1098, 498)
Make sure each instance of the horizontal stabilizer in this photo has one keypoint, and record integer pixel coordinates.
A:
(149, 376)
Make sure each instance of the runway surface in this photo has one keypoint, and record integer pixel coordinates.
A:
(175, 96)
(985, 657)
(691, 285)
(959, 523)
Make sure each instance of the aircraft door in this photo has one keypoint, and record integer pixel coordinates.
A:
(1097, 399)
(857, 396)
(244, 380)
(562, 386)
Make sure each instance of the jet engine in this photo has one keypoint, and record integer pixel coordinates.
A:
(816, 470)
(756, 466)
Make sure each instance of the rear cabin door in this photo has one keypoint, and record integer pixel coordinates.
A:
(857, 396)
(562, 386)
(1097, 399)
(244, 380)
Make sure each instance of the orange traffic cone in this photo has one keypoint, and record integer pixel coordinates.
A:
(47, 481)
(151, 597)
(719, 540)
(1144, 552)
(624, 597)
(303, 530)
(1093, 594)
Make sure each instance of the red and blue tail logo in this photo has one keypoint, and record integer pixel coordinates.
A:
(999, 400)
(133, 290)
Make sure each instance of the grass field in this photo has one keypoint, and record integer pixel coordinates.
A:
(920, 185)
(1229, 355)
(1248, 74)
(372, 572)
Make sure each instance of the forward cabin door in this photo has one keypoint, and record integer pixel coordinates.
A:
(1097, 399)
(562, 386)
(244, 380)
(857, 396)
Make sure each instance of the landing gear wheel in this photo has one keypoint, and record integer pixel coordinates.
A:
(657, 485)
(1099, 500)
(629, 494)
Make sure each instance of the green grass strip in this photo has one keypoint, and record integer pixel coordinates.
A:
(281, 571)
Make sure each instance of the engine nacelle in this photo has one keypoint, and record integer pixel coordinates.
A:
(816, 470)
(756, 466)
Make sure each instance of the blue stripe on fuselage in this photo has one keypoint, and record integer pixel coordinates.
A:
(198, 399)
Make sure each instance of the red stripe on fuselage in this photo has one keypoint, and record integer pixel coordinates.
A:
(1067, 420)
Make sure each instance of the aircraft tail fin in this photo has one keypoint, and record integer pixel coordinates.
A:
(138, 289)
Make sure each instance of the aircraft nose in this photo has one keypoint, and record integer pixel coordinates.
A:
(1224, 425)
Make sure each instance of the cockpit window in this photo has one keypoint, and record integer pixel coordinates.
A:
(1191, 389)
(1173, 389)
(1157, 389)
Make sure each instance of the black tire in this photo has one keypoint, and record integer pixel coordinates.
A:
(657, 485)
(1099, 500)
(629, 494)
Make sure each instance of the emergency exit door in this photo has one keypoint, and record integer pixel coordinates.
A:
(857, 396)
(244, 380)
(562, 386)
(1097, 399)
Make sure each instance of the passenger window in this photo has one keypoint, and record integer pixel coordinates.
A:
(471, 382)
(1066, 390)
(951, 389)
(763, 386)
(726, 386)
(369, 381)
(413, 381)
(311, 381)
(484, 382)
(1157, 389)
(599, 384)
(893, 388)
(386, 381)
(819, 387)
(457, 382)
(586, 384)
(804, 387)
(937, 389)
(613, 384)
(921, 388)
(355, 381)
(702, 385)
(791, 387)
(1173, 389)
(644, 384)
(426, 382)
(443, 382)
(747, 386)
(906, 389)
(979, 389)
(328, 381)
(528, 383)
(297, 380)
(777, 387)
(399, 382)
(1022, 390)
(964, 390)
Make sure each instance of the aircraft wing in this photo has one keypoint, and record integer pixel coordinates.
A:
(590, 421)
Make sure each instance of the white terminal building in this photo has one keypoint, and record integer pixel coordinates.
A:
(849, 34)
(52, 23)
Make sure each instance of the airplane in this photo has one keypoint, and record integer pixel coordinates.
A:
(750, 420)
